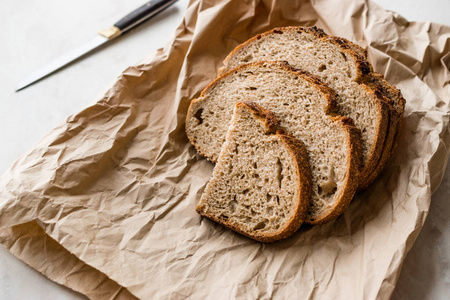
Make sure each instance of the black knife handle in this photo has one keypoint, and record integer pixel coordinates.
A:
(142, 14)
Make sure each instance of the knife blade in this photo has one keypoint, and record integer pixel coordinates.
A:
(130, 21)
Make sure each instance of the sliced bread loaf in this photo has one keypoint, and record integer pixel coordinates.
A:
(337, 64)
(305, 107)
(261, 184)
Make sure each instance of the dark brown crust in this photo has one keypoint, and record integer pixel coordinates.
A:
(376, 151)
(379, 153)
(265, 116)
(355, 47)
(355, 146)
(299, 155)
(388, 147)
(397, 103)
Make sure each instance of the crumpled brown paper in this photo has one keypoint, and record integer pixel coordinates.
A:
(104, 204)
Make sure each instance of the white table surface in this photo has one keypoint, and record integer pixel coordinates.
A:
(34, 32)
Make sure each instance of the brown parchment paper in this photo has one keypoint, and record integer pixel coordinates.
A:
(104, 204)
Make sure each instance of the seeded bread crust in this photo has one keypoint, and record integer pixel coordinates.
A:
(353, 140)
(298, 154)
(363, 70)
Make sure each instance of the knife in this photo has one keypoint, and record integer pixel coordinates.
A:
(130, 21)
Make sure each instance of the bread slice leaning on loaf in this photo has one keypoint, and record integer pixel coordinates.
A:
(336, 64)
(261, 184)
(306, 109)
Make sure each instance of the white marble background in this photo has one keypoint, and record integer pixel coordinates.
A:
(34, 32)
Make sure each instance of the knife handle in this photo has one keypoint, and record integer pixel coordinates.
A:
(142, 14)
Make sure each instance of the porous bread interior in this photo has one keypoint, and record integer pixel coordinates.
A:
(299, 106)
(254, 186)
(326, 61)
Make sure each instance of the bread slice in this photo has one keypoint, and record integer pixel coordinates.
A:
(261, 184)
(305, 107)
(335, 63)
(396, 103)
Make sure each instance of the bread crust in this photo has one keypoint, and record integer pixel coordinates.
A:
(395, 121)
(299, 155)
(377, 149)
(378, 155)
(353, 141)
(357, 48)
